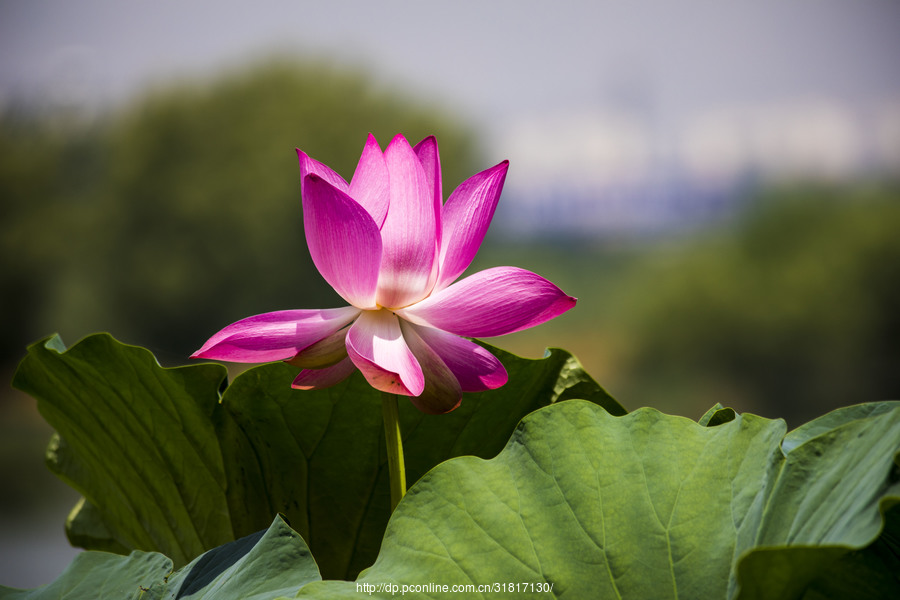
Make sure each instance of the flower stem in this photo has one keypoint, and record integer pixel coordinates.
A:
(396, 468)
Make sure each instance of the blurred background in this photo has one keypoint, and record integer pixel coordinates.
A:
(716, 182)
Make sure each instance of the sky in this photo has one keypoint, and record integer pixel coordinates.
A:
(493, 59)
(598, 92)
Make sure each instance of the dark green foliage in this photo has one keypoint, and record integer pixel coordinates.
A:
(180, 214)
(643, 505)
(793, 312)
(789, 310)
(165, 463)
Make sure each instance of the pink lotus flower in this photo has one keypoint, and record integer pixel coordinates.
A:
(392, 249)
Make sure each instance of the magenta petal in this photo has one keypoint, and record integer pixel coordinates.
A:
(274, 336)
(408, 233)
(310, 166)
(427, 151)
(343, 240)
(491, 302)
(370, 186)
(377, 348)
(475, 368)
(328, 351)
(317, 379)
(442, 391)
(465, 220)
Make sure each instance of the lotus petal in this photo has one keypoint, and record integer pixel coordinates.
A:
(343, 240)
(370, 185)
(465, 220)
(475, 368)
(276, 335)
(377, 348)
(310, 166)
(324, 353)
(491, 302)
(316, 379)
(408, 233)
(442, 391)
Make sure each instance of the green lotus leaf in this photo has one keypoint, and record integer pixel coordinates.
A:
(583, 504)
(267, 564)
(171, 460)
(137, 441)
(270, 563)
(100, 576)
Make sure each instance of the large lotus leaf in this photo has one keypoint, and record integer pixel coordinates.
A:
(270, 563)
(86, 527)
(100, 576)
(167, 463)
(322, 459)
(581, 504)
(837, 486)
(650, 506)
(266, 564)
(717, 415)
(872, 573)
(833, 420)
(136, 440)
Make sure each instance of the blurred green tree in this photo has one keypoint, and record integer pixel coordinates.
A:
(181, 213)
(792, 313)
